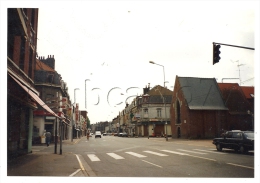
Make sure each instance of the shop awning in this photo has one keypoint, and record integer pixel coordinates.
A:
(35, 97)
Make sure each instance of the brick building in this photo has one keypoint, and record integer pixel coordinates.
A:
(197, 108)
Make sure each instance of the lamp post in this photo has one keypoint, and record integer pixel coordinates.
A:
(73, 114)
(146, 100)
(152, 62)
(86, 92)
(165, 112)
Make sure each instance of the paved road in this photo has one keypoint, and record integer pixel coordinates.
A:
(139, 157)
(111, 156)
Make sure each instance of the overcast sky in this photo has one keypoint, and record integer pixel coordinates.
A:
(111, 43)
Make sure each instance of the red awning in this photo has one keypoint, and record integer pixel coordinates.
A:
(36, 98)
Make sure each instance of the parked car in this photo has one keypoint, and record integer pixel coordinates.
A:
(120, 134)
(242, 141)
(97, 134)
(104, 134)
(124, 134)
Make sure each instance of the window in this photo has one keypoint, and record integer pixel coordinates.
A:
(159, 112)
(237, 135)
(146, 111)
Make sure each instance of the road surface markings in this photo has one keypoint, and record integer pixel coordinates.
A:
(240, 165)
(174, 152)
(71, 175)
(113, 155)
(93, 157)
(200, 157)
(136, 154)
(155, 153)
(80, 164)
(152, 163)
(191, 151)
(126, 148)
(209, 151)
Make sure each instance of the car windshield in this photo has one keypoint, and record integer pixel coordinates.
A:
(249, 135)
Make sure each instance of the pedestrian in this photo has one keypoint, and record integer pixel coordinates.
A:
(87, 135)
(48, 138)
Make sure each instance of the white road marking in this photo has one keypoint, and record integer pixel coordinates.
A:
(240, 165)
(158, 154)
(174, 152)
(71, 175)
(209, 151)
(126, 148)
(113, 155)
(136, 154)
(200, 157)
(80, 164)
(191, 151)
(152, 163)
(93, 157)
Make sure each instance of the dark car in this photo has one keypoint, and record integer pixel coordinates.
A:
(242, 141)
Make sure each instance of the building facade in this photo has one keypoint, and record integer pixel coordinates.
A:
(54, 92)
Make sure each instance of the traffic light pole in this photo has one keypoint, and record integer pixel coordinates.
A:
(234, 46)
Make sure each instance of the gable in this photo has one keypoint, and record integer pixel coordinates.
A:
(234, 98)
(201, 93)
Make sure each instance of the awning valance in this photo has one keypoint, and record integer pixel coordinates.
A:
(35, 97)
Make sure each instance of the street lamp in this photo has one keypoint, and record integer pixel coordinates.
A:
(86, 92)
(152, 62)
(72, 125)
(165, 113)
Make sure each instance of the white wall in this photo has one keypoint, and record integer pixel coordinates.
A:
(38, 121)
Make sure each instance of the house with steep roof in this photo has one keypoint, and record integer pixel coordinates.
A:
(152, 112)
(236, 98)
(197, 108)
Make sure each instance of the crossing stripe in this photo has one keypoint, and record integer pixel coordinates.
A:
(210, 151)
(155, 153)
(93, 157)
(174, 152)
(191, 151)
(113, 155)
(136, 154)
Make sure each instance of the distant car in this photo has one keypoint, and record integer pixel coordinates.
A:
(104, 134)
(97, 134)
(115, 134)
(242, 141)
(120, 134)
(124, 134)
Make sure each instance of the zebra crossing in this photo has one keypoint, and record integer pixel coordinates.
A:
(146, 153)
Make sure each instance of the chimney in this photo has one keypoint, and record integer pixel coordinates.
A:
(146, 89)
(50, 61)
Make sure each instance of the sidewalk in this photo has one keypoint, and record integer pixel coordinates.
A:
(44, 162)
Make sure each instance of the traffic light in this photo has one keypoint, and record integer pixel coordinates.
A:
(216, 53)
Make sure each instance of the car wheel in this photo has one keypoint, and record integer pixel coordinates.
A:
(242, 149)
(219, 148)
